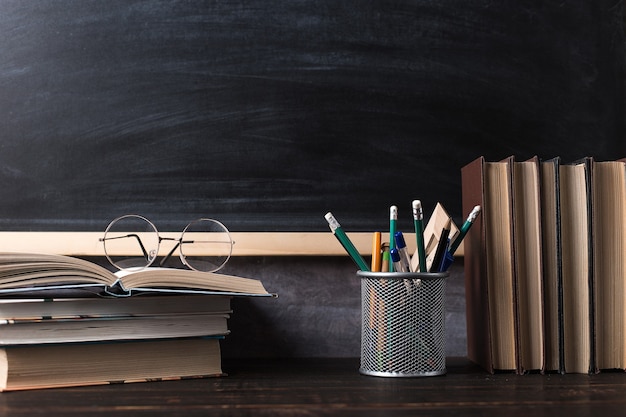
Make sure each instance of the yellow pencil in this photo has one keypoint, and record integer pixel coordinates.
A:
(376, 252)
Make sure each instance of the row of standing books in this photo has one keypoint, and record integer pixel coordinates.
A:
(545, 265)
(61, 326)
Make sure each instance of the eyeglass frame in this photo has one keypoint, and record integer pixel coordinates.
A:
(162, 238)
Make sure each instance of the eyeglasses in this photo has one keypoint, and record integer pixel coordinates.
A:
(132, 243)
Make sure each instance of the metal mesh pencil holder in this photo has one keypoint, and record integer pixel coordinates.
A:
(403, 324)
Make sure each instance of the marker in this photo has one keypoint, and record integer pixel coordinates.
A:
(341, 236)
(398, 265)
(376, 252)
(418, 221)
(466, 226)
(393, 220)
(403, 251)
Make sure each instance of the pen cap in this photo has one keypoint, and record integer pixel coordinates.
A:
(400, 243)
(395, 255)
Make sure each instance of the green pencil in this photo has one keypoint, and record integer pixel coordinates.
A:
(341, 236)
(466, 226)
(393, 221)
(418, 221)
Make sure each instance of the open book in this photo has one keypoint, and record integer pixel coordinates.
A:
(21, 272)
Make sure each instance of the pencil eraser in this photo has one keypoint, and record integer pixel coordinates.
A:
(332, 222)
(393, 213)
(417, 210)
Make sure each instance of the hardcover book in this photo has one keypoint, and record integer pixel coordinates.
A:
(490, 265)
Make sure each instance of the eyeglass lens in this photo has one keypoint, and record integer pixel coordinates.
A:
(131, 242)
(206, 245)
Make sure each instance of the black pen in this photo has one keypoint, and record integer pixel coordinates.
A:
(442, 247)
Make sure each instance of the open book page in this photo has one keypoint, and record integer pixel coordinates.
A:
(155, 278)
(19, 271)
(30, 270)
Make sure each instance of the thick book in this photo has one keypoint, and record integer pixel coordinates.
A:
(27, 309)
(65, 365)
(528, 265)
(552, 265)
(28, 272)
(490, 265)
(577, 263)
(609, 250)
(49, 331)
(70, 320)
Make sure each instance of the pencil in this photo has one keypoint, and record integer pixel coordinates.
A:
(386, 257)
(464, 229)
(341, 236)
(393, 220)
(376, 252)
(418, 221)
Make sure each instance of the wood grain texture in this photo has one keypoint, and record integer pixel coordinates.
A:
(246, 243)
(333, 387)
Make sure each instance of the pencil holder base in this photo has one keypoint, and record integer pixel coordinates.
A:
(402, 324)
(401, 374)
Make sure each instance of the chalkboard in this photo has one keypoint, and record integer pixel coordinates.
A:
(266, 114)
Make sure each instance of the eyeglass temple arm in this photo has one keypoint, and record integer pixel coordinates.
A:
(170, 253)
(143, 249)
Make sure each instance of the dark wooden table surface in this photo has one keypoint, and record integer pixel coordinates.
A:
(329, 387)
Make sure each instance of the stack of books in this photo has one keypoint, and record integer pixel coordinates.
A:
(545, 265)
(157, 324)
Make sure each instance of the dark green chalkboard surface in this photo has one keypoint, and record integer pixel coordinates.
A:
(266, 114)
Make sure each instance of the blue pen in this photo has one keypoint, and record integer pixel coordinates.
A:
(403, 251)
(393, 220)
(448, 259)
(397, 262)
(399, 267)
